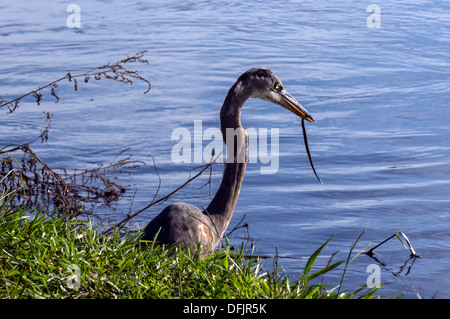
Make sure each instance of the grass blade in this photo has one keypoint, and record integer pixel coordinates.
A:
(313, 257)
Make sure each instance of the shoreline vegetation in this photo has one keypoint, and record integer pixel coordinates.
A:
(49, 247)
(51, 257)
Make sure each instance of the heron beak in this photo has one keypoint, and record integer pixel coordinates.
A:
(287, 101)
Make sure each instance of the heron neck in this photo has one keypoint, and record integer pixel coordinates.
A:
(235, 137)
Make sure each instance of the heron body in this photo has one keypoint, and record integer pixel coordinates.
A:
(191, 227)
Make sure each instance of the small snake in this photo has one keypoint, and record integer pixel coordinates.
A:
(307, 150)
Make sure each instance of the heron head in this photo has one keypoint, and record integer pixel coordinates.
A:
(264, 84)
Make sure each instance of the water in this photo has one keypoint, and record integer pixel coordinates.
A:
(379, 96)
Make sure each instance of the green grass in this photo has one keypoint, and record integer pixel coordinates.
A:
(40, 255)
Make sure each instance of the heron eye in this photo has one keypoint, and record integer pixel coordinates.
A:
(279, 87)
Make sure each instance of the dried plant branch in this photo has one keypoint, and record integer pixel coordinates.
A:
(115, 71)
(239, 225)
(68, 190)
(162, 199)
(408, 247)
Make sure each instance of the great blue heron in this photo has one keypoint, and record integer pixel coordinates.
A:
(189, 226)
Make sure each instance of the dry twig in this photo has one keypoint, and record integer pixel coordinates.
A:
(162, 199)
(115, 71)
(67, 189)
